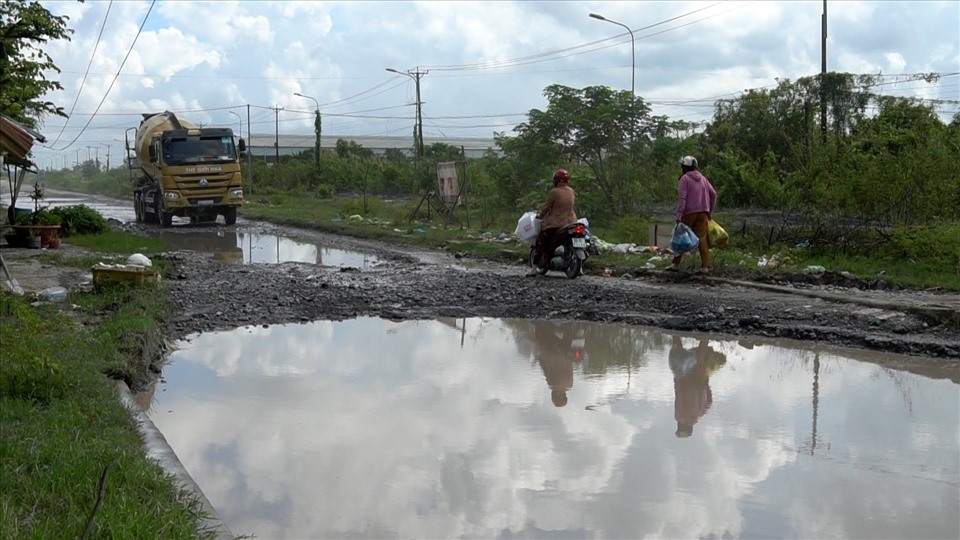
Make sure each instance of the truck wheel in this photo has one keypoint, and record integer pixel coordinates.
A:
(163, 218)
(230, 216)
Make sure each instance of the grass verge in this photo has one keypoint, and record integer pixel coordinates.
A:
(389, 220)
(62, 424)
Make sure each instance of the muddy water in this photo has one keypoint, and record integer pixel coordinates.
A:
(505, 428)
(108, 208)
(254, 247)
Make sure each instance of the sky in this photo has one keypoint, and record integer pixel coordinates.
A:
(483, 65)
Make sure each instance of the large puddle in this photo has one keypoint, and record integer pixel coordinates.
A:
(511, 429)
(262, 248)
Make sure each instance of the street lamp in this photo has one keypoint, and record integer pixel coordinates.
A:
(418, 130)
(317, 128)
(241, 122)
(633, 50)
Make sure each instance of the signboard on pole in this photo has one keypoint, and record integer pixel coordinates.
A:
(447, 181)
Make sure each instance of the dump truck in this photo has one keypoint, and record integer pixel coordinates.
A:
(180, 169)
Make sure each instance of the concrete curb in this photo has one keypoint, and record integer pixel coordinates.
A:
(158, 450)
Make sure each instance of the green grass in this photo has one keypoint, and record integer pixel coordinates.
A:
(389, 221)
(118, 242)
(62, 422)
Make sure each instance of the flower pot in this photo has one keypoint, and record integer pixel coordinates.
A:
(54, 243)
(16, 240)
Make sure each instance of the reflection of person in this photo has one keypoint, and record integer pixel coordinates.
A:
(555, 213)
(691, 382)
(556, 359)
(696, 200)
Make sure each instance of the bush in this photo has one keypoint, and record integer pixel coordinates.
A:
(325, 191)
(43, 217)
(80, 219)
(938, 243)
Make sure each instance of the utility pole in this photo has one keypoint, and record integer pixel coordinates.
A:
(823, 74)
(249, 152)
(416, 74)
(276, 142)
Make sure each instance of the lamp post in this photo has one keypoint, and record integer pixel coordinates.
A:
(317, 128)
(241, 122)
(633, 50)
(418, 129)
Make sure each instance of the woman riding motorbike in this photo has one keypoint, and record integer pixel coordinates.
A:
(555, 213)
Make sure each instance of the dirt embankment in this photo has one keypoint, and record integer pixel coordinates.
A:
(416, 284)
(410, 283)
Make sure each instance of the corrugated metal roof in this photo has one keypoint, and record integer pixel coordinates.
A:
(263, 144)
(330, 141)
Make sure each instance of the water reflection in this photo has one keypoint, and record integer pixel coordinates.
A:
(692, 369)
(260, 248)
(435, 429)
(558, 348)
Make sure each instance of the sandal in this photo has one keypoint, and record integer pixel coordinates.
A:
(672, 269)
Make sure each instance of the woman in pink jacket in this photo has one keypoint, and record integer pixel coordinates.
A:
(695, 205)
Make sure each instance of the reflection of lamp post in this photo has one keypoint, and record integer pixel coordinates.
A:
(317, 128)
(418, 129)
(633, 54)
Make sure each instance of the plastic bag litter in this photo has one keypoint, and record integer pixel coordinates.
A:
(716, 236)
(528, 227)
(684, 239)
(139, 259)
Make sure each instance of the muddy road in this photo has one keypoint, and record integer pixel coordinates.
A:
(410, 283)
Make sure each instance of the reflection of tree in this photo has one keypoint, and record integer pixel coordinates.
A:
(692, 369)
(604, 347)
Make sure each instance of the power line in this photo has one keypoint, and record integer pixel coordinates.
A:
(107, 93)
(87, 72)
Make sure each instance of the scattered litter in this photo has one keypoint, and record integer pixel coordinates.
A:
(54, 294)
(355, 217)
(814, 269)
(139, 259)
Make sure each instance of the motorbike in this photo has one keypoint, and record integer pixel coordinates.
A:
(573, 247)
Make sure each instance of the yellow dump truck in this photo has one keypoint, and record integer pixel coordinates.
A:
(180, 169)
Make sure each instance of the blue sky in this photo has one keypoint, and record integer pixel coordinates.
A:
(487, 63)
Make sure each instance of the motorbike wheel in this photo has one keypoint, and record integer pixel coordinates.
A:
(573, 269)
(543, 269)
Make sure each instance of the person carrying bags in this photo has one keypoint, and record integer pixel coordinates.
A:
(695, 204)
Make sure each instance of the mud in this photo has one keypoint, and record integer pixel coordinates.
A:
(418, 284)
(412, 283)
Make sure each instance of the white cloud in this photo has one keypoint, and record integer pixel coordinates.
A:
(210, 55)
(383, 429)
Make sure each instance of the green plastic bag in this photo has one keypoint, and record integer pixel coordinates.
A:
(716, 236)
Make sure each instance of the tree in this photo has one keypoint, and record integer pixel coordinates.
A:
(598, 127)
(24, 28)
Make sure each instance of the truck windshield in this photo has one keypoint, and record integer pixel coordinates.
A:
(199, 150)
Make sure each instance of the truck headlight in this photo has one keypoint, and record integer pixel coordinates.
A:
(171, 195)
(236, 193)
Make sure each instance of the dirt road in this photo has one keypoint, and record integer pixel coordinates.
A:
(416, 284)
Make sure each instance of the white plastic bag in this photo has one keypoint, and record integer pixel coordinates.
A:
(528, 227)
(684, 239)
